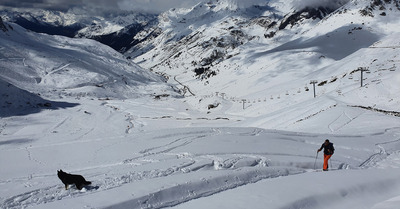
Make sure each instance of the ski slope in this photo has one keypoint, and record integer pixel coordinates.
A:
(248, 140)
(185, 166)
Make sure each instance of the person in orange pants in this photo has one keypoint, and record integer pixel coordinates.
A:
(328, 152)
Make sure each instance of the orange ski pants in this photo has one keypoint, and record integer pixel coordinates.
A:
(326, 159)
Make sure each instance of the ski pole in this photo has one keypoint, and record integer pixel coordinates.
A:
(315, 160)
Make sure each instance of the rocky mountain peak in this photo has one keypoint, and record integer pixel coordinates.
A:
(2, 26)
(380, 5)
(306, 13)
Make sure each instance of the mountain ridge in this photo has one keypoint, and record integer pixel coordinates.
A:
(103, 29)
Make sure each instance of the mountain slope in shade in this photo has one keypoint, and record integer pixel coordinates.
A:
(114, 30)
(55, 67)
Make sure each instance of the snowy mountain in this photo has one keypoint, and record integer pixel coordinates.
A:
(217, 31)
(246, 131)
(113, 30)
(57, 67)
(260, 55)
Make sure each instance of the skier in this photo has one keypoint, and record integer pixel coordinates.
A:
(328, 152)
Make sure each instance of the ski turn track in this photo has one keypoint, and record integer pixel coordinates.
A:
(181, 172)
(181, 193)
(170, 196)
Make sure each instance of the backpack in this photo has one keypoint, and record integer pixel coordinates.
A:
(332, 148)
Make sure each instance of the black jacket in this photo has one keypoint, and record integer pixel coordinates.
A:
(328, 149)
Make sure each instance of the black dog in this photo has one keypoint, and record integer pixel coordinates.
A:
(67, 179)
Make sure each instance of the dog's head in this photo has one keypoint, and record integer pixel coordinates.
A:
(60, 173)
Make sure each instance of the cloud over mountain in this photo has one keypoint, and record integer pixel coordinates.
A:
(100, 5)
(334, 4)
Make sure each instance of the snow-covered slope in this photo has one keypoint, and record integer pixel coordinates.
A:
(157, 164)
(57, 67)
(268, 58)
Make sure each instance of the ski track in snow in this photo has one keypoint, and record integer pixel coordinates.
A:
(340, 122)
(205, 187)
(246, 168)
(382, 154)
(53, 193)
(182, 192)
(17, 58)
(55, 70)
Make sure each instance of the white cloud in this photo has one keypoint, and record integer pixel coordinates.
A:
(140, 5)
(155, 5)
(334, 4)
(248, 3)
(102, 5)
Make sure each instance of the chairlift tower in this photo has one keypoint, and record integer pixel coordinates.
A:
(362, 69)
(244, 101)
(313, 82)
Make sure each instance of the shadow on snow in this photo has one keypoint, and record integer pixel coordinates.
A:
(17, 102)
